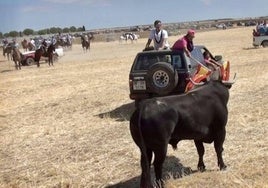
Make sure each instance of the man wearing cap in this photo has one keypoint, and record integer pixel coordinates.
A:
(159, 36)
(185, 43)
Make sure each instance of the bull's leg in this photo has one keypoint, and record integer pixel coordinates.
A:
(146, 173)
(218, 145)
(201, 151)
(160, 156)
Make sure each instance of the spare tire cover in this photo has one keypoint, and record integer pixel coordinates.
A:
(162, 78)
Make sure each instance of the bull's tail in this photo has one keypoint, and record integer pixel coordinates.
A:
(145, 163)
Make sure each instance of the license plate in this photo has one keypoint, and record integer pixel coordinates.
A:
(139, 85)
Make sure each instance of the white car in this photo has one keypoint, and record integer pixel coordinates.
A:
(29, 57)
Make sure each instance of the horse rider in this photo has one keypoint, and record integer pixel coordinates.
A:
(86, 37)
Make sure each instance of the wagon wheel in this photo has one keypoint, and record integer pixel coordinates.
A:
(162, 78)
(30, 61)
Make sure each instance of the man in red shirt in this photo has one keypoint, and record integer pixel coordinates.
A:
(185, 43)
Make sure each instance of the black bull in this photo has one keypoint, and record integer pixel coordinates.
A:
(200, 115)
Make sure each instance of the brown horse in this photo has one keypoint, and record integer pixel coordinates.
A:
(45, 53)
(66, 44)
(24, 45)
(86, 42)
(50, 51)
(17, 57)
(31, 46)
(7, 50)
(27, 45)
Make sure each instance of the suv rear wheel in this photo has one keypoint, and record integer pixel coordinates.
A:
(162, 78)
(265, 44)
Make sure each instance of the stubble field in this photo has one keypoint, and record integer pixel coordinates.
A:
(68, 125)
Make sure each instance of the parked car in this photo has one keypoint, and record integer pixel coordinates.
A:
(28, 57)
(221, 26)
(165, 72)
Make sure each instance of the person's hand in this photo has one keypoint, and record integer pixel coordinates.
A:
(188, 53)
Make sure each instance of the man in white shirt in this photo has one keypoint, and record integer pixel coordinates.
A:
(159, 36)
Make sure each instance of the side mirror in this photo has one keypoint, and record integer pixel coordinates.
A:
(218, 58)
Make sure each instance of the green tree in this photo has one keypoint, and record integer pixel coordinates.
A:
(28, 31)
(79, 29)
(72, 29)
(42, 32)
(6, 35)
(54, 30)
(66, 30)
(1, 35)
(13, 33)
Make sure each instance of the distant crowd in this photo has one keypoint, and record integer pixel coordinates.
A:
(38, 41)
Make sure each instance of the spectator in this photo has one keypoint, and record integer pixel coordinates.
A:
(209, 61)
(159, 36)
(185, 43)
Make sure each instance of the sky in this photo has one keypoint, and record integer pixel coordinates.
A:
(17, 15)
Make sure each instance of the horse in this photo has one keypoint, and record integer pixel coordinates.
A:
(7, 50)
(27, 45)
(45, 53)
(50, 51)
(24, 45)
(128, 36)
(31, 46)
(65, 43)
(85, 43)
(17, 57)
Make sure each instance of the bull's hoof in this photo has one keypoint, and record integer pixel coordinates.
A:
(201, 168)
(223, 167)
(173, 143)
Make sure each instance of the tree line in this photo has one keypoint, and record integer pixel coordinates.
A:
(52, 30)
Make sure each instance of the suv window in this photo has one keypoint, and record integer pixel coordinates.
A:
(198, 54)
(145, 61)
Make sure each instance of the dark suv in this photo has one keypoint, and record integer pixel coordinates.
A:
(164, 72)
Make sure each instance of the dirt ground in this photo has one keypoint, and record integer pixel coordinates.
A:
(68, 125)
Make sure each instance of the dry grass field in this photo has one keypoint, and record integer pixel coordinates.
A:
(68, 125)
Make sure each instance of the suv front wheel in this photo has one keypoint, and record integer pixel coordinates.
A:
(162, 78)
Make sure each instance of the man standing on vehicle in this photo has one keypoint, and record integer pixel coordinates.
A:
(185, 43)
(159, 36)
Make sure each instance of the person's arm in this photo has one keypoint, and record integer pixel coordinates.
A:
(188, 53)
(215, 62)
(148, 43)
(209, 62)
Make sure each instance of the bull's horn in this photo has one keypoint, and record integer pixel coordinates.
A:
(197, 84)
(230, 81)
